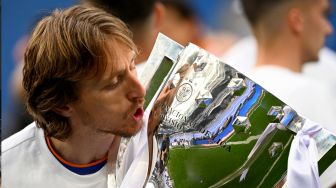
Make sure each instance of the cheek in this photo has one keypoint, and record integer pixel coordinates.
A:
(106, 102)
(108, 114)
(109, 99)
(115, 105)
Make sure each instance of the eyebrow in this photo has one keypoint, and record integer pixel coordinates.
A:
(121, 71)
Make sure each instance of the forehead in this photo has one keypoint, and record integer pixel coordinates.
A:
(311, 7)
(321, 4)
(118, 57)
(114, 57)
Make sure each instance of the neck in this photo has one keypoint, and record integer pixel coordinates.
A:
(148, 31)
(83, 150)
(279, 53)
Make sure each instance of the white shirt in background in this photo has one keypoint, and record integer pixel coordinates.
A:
(308, 97)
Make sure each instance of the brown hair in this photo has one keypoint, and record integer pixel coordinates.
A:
(66, 47)
(268, 13)
(256, 10)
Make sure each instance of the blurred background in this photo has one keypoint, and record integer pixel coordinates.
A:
(17, 19)
(217, 24)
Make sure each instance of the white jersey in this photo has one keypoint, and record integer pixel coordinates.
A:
(27, 162)
(242, 55)
(324, 70)
(133, 157)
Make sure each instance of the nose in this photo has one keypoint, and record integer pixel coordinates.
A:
(329, 29)
(137, 91)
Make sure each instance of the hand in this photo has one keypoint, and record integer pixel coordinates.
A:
(157, 111)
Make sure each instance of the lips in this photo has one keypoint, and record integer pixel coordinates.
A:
(137, 116)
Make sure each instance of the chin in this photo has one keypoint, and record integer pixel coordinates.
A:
(312, 59)
(315, 58)
(129, 132)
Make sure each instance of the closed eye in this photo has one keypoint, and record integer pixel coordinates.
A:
(115, 82)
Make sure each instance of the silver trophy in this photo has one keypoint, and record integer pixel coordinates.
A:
(216, 127)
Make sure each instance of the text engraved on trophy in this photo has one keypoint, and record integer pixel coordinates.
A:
(184, 92)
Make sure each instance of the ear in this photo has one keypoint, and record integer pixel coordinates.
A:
(295, 20)
(65, 111)
(159, 13)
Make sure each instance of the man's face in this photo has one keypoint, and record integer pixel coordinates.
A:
(316, 28)
(114, 102)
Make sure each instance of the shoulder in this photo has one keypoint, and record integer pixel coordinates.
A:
(18, 155)
(274, 76)
(306, 84)
(242, 55)
(26, 135)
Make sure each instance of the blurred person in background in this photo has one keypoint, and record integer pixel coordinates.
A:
(144, 17)
(324, 70)
(182, 23)
(242, 56)
(331, 40)
(288, 35)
